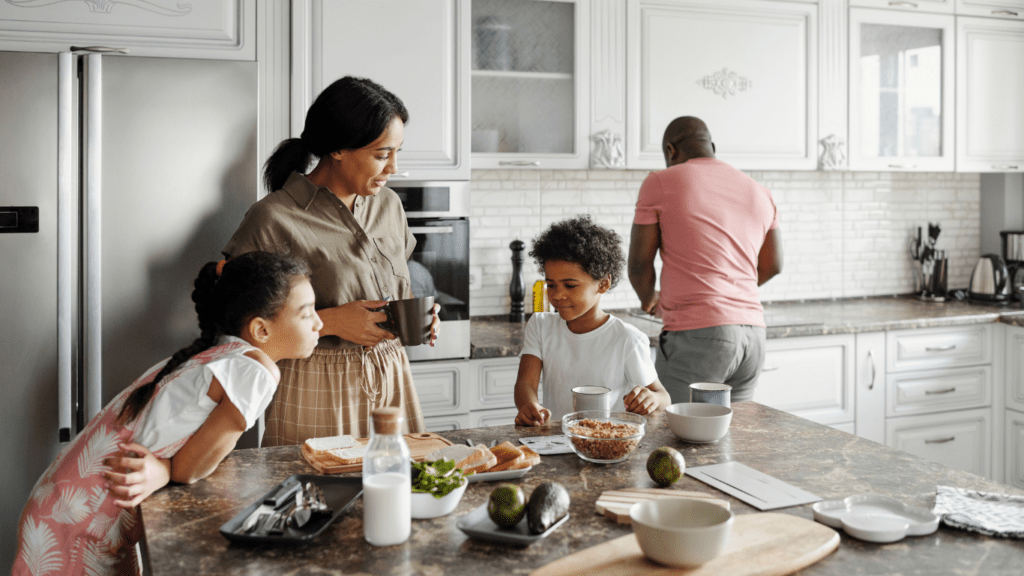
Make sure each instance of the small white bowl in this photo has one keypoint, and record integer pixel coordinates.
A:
(681, 532)
(699, 423)
(424, 505)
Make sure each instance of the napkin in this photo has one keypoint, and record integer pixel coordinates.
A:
(548, 445)
(991, 514)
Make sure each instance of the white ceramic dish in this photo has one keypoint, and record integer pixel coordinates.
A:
(699, 423)
(495, 476)
(424, 505)
(875, 518)
(681, 532)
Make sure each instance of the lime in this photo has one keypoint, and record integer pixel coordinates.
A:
(665, 466)
(507, 505)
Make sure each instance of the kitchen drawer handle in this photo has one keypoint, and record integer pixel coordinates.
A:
(946, 348)
(431, 229)
(1006, 166)
(946, 391)
(1003, 13)
(519, 163)
(871, 385)
(911, 4)
(769, 368)
(941, 440)
(906, 166)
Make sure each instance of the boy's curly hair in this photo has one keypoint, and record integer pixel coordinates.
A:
(579, 240)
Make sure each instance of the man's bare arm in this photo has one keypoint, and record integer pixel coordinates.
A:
(769, 259)
(644, 241)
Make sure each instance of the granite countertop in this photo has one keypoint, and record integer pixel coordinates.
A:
(496, 337)
(182, 522)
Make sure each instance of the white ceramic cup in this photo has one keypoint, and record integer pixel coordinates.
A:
(711, 393)
(592, 398)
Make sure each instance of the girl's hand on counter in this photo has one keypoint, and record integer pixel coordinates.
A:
(435, 325)
(135, 474)
(356, 322)
(533, 414)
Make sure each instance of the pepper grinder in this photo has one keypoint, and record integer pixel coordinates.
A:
(517, 287)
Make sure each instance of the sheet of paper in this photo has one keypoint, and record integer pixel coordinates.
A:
(755, 488)
(548, 445)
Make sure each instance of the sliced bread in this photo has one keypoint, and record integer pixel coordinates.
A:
(532, 458)
(509, 456)
(331, 451)
(462, 455)
(484, 462)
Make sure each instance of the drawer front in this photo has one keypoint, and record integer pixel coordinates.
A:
(938, 390)
(441, 387)
(496, 382)
(960, 440)
(939, 348)
(1014, 449)
(809, 377)
(447, 423)
(499, 417)
(1015, 368)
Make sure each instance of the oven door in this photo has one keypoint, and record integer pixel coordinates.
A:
(439, 267)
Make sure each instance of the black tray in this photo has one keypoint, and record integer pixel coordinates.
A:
(340, 494)
(477, 524)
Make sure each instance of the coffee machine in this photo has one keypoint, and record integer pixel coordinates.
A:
(1013, 254)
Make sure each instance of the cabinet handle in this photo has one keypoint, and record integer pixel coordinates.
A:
(871, 385)
(946, 348)
(519, 163)
(769, 368)
(1003, 13)
(940, 441)
(1005, 166)
(911, 4)
(946, 391)
(903, 166)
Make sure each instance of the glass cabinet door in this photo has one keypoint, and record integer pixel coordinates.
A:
(525, 82)
(901, 91)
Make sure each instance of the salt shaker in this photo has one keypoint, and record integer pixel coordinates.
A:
(387, 487)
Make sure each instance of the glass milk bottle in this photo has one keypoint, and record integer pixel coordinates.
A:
(387, 488)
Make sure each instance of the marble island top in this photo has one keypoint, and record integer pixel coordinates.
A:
(496, 337)
(181, 522)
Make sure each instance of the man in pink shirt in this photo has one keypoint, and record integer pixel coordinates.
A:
(717, 230)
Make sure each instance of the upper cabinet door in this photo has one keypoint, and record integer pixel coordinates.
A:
(530, 83)
(747, 68)
(991, 8)
(939, 6)
(901, 91)
(990, 95)
(417, 49)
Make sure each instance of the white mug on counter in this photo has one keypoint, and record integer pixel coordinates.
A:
(592, 398)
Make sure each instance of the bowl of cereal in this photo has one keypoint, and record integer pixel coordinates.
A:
(602, 436)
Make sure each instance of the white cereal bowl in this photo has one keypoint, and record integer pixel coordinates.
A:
(681, 532)
(424, 505)
(699, 423)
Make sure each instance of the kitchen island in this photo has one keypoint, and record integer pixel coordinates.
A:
(182, 522)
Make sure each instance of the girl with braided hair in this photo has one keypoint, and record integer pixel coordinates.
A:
(175, 423)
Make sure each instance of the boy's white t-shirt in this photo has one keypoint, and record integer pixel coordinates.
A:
(615, 355)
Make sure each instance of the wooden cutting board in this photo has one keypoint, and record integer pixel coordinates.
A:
(761, 544)
(420, 445)
(615, 504)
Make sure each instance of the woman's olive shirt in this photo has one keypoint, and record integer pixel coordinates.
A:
(353, 255)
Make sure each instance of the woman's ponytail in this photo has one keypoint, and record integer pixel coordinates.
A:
(291, 155)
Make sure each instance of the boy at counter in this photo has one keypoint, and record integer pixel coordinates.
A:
(580, 344)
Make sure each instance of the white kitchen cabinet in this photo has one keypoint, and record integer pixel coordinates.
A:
(497, 417)
(870, 386)
(927, 391)
(214, 29)
(495, 382)
(901, 91)
(1015, 368)
(960, 440)
(933, 348)
(447, 423)
(939, 6)
(748, 68)
(990, 95)
(1014, 467)
(417, 49)
(444, 388)
(991, 8)
(530, 82)
(812, 377)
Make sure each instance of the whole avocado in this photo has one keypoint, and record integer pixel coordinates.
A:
(548, 504)
(507, 505)
(665, 466)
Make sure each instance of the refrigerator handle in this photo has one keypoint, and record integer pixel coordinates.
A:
(92, 162)
(67, 257)
(99, 49)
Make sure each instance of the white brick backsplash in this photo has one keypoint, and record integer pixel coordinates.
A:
(844, 234)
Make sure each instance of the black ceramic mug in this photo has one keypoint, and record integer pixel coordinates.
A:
(410, 319)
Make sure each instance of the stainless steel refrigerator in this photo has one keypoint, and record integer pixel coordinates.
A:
(119, 177)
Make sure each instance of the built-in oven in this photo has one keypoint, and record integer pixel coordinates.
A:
(438, 214)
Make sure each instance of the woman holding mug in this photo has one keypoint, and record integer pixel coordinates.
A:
(353, 232)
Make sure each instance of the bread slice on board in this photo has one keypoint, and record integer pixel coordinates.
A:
(483, 463)
(509, 457)
(532, 458)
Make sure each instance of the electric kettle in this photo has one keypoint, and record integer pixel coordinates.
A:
(989, 280)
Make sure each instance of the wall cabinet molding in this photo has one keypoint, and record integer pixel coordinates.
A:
(213, 29)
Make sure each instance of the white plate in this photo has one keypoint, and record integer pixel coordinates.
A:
(875, 518)
(495, 476)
